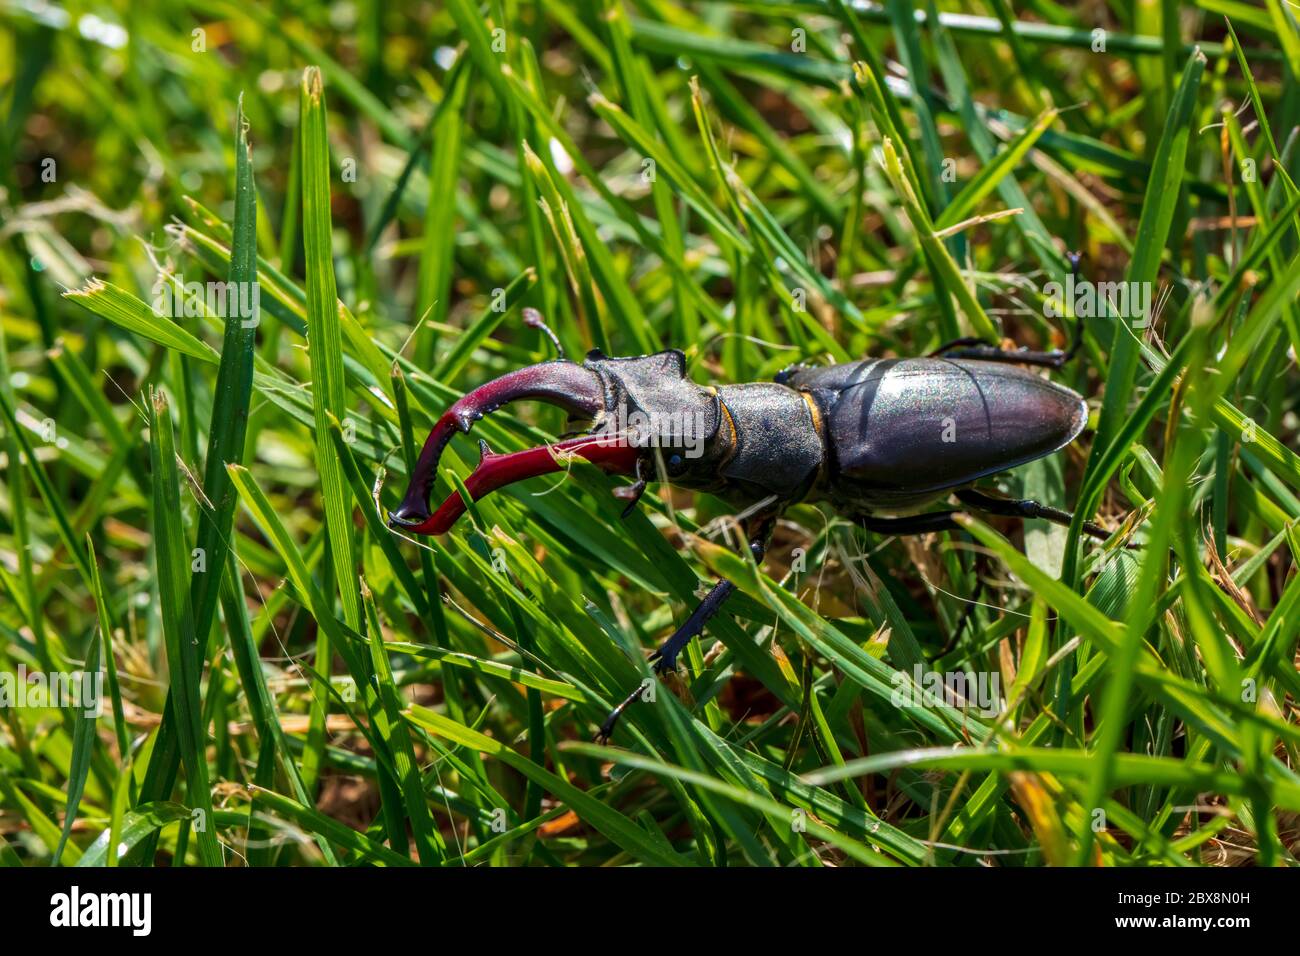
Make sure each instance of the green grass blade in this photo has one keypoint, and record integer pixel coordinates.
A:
(83, 743)
(325, 339)
(184, 660)
(610, 822)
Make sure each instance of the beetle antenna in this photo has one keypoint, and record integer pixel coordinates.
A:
(533, 319)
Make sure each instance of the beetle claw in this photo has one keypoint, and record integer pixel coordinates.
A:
(496, 471)
(577, 390)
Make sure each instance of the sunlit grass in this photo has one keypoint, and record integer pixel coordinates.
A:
(191, 500)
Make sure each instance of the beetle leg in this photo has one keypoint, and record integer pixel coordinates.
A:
(606, 730)
(909, 524)
(1006, 507)
(973, 347)
(1025, 508)
(633, 492)
(991, 353)
(665, 658)
(964, 341)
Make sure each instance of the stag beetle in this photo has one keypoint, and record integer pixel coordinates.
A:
(886, 435)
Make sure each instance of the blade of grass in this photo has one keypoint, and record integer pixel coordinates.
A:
(227, 430)
(83, 742)
(428, 842)
(608, 821)
(948, 277)
(184, 660)
(326, 346)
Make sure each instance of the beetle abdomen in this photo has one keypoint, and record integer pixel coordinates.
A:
(903, 430)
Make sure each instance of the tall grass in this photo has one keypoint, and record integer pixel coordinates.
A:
(192, 504)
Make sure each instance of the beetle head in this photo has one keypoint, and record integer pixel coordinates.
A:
(634, 406)
(655, 408)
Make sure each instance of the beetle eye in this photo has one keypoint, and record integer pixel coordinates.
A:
(675, 462)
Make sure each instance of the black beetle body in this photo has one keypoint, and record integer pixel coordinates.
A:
(877, 436)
